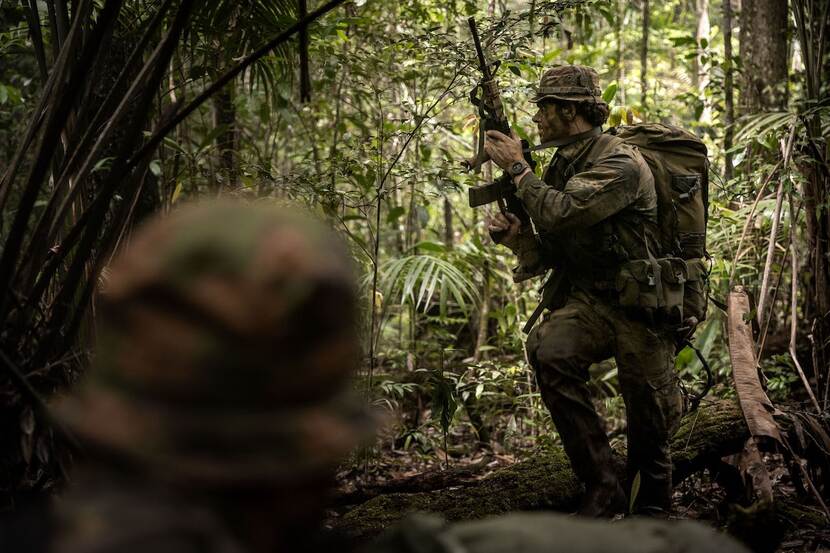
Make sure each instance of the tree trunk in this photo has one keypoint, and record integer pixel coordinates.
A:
(448, 230)
(644, 56)
(224, 115)
(729, 97)
(483, 315)
(816, 187)
(305, 76)
(763, 45)
(708, 439)
(621, 5)
(470, 403)
(701, 77)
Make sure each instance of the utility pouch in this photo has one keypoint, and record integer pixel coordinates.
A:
(654, 287)
(695, 298)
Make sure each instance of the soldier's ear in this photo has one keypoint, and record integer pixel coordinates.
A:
(567, 110)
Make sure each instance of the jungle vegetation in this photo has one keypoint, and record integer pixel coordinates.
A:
(112, 110)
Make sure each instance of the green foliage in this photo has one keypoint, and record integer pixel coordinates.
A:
(385, 129)
(415, 280)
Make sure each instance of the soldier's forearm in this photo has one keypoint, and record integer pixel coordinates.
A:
(545, 205)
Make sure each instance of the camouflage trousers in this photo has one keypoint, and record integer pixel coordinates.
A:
(588, 330)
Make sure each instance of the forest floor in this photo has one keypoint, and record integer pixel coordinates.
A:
(391, 469)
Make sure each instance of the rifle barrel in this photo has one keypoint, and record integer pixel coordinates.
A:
(482, 61)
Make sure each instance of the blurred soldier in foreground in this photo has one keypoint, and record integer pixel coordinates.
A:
(217, 407)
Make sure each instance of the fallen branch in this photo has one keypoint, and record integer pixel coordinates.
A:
(437, 479)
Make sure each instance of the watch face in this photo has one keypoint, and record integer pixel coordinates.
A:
(517, 168)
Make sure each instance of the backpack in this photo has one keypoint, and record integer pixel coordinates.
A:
(678, 161)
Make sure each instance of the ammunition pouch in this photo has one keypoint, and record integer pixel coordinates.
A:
(654, 287)
(696, 291)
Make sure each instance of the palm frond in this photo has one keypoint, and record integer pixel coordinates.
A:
(416, 278)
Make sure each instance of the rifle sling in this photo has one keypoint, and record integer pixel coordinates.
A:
(549, 292)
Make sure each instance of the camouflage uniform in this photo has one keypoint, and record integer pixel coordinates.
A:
(594, 209)
(228, 337)
(552, 533)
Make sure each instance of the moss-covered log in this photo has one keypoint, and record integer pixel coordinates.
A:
(546, 480)
(705, 435)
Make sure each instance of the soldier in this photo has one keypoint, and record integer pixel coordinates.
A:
(216, 410)
(594, 210)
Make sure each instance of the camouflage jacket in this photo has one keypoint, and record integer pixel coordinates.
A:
(595, 207)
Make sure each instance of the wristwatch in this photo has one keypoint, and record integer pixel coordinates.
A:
(518, 168)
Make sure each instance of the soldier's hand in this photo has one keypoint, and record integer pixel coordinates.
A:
(503, 150)
(504, 229)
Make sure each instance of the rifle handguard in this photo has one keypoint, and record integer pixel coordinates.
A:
(489, 193)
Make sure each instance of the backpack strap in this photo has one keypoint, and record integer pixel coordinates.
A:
(559, 142)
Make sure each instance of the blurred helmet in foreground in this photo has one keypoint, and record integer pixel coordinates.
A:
(227, 335)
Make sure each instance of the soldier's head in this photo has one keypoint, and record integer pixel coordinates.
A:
(569, 101)
(227, 336)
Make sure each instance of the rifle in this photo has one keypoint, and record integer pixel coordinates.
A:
(492, 117)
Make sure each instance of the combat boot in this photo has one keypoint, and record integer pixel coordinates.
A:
(654, 496)
(603, 500)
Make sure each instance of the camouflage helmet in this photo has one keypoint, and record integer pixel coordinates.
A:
(228, 333)
(573, 83)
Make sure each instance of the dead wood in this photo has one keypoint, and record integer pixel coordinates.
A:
(761, 418)
(757, 408)
(437, 479)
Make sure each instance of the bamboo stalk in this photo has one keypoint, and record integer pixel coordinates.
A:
(776, 219)
(794, 305)
(748, 220)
